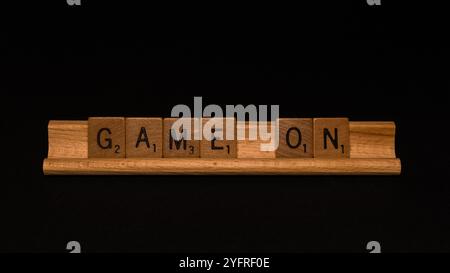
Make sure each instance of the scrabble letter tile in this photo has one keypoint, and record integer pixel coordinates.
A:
(181, 147)
(214, 143)
(144, 137)
(296, 137)
(106, 137)
(331, 137)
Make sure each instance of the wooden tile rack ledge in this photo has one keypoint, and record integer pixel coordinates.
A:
(372, 152)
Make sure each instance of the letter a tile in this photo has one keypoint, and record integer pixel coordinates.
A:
(144, 137)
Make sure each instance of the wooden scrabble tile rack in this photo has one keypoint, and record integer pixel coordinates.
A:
(371, 152)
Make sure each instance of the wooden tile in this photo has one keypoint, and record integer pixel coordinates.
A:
(218, 146)
(144, 137)
(251, 148)
(331, 137)
(106, 137)
(182, 147)
(295, 137)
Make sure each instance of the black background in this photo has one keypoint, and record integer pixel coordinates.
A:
(354, 60)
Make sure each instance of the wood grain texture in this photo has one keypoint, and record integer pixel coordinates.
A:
(207, 166)
(251, 148)
(368, 139)
(372, 139)
(67, 139)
